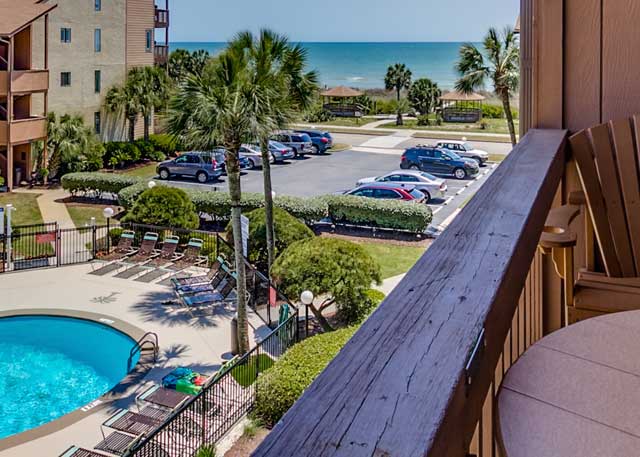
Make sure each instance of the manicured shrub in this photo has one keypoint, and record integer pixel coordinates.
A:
(423, 120)
(118, 154)
(128, 196)
(287, 230)
(390, 214)
(166, 207)
(280, 386)
(166, 144)
(338, 271)
(96, 184)
(309, 210)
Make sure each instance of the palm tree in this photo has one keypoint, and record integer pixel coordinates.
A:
(151, 86)
(279, 69)
(224, 107)
(398, 78)
(424, 95)
(500, 63)
(124, 100)
(67, 137)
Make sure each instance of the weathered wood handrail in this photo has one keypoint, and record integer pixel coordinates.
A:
(404, 385)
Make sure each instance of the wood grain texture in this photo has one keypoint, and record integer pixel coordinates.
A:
(582, 52)
(623, 141)
(620, 65)
(610, 184)
(583, 152)
(398, 387)
(549, 60)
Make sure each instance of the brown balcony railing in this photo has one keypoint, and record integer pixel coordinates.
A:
(24, 81)
(419, 377)
(162, 18)
(23, 130)
(161, 54)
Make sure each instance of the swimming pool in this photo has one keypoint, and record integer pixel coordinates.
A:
(50, 366)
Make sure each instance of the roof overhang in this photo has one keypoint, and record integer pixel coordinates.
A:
(15, 16)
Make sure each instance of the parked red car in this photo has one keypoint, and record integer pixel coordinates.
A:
(389, 192)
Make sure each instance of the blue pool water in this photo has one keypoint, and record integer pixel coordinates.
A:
(50, 366)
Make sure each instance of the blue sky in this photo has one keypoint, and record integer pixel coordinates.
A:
(341, 20)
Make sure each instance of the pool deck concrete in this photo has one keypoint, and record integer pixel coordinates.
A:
(196, 339)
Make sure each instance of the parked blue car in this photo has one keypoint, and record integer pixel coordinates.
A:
(322, 141)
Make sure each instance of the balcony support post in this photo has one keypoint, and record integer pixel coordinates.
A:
(10, 116)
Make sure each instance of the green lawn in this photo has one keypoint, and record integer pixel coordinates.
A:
(27, 210)
(246, 374)
(394, 259)
(492, 126)
(144, 172)
(82, 214)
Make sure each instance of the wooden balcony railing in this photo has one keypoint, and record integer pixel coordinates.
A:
(419, 377)
(24, 81)
(161, 54)
(162, 18)
(23, 130)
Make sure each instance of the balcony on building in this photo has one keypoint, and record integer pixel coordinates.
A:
(24, 82)
(458, 360)
(161, 54)
(162, 18)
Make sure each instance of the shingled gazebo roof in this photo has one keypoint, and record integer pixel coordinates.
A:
(342, 92)
(461, 97)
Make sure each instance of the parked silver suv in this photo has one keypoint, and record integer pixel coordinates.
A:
(300, 142)
(200, 165)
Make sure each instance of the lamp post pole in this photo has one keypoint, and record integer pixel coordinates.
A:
(9, 209)
(306, 298)
(108, 214)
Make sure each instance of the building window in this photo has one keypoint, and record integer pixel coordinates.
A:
(97, 40)
(97, 81)
(65, 35)
(98, 5)
(149, 43)
(97, 122)
(65, 79)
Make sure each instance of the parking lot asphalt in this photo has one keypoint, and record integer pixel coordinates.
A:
(329, 173)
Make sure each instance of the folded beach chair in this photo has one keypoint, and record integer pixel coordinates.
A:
(218, 281)
(135, 423)
(123, 249)
(191, 256)
(203, 279)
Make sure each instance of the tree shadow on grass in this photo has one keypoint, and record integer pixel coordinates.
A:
(163, 308)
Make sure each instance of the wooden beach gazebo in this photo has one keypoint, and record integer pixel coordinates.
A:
(461, 107)
(338, 100)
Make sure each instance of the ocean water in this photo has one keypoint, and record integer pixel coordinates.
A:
(364, 65)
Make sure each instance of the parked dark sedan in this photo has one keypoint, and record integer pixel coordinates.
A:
(322, 141)
(437, 161)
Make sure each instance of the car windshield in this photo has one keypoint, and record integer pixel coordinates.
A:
(428, 176)
(453, 155)
(415, 193)
(467, 147)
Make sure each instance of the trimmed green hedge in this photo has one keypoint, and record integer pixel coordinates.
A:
(128, 196)
(309, 210)
(390, 214)
(280, 386)
(97, 183)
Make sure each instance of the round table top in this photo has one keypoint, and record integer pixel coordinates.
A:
(576, 392)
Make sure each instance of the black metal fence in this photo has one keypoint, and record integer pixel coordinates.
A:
(205, 418)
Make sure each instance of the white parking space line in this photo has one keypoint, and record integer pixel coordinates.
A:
(448, 200)
(437, 210)
(461, 190)
(375, 150)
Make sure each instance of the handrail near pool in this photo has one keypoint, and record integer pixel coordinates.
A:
(140, 345)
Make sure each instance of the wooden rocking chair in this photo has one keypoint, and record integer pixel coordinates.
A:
(607, 158)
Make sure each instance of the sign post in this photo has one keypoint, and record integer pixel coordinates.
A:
(245, 235)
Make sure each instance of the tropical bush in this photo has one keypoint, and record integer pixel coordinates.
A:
(165, 207)
(390, 214)
(279, 387)
(166, 144)
(423, 120)
(119, 153)
(424, 95)
(318, 114)
(337, 270)
(287, 230)
(96, 184)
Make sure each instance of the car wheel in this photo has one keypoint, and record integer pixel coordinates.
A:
(427, 196)
(202, 177)
(316, 149)
(164, 174)
(252, 164)
(295, 153)
(414, 167)
(459, 173)
(479, 160)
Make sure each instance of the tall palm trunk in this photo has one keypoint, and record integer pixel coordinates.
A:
(147, 126)
(268, 203)
(235, 192)
(399, 114)
(506, 103)
(132, 128)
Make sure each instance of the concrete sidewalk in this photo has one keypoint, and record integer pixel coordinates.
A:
(51, 206)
